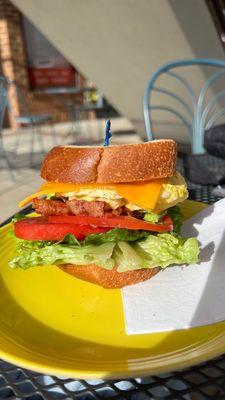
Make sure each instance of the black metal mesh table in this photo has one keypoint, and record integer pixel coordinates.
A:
(205, 381)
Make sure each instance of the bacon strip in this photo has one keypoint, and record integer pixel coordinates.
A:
(50, 207)
(76, 207)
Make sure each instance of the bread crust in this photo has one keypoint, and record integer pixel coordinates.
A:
(71, 164)
(113, 164)
(109, 279)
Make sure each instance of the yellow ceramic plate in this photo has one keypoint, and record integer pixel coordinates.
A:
(53, 323)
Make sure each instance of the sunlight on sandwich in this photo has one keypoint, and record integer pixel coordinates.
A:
(155, 195)
(172, 192)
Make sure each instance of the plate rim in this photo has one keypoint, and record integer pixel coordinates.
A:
(106, 375)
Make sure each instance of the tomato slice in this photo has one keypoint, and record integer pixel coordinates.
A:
(39, 228)
(113, 222)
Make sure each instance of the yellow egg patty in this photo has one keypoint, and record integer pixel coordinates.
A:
(172, 192)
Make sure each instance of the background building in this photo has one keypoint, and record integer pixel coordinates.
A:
(29, 59)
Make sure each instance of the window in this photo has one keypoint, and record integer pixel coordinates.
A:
(46, 66)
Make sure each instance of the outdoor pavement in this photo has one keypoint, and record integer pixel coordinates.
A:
(24, 179)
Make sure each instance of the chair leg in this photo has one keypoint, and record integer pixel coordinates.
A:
(32, 141)
(40, 138)
(75, 126)
(36, 130)
(53, 134)
(5, 159)
(16, 146)
(71, 134)
(8, 166)
(197, 141)
(72, 131)
(197, 148)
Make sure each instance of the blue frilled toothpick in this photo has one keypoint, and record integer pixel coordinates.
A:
(108, 133)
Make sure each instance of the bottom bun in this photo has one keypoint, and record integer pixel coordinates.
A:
(109, 279)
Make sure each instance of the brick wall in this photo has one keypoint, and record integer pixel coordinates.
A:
(13, 65)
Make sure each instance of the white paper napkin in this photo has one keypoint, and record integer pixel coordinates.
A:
(188, 296)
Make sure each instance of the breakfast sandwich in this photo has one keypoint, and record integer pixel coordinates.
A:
(107, 215)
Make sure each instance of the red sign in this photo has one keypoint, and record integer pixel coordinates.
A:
(51, 77)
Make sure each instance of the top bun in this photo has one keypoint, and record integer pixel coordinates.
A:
(113, 164)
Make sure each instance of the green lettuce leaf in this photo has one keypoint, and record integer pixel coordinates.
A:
(127, 258)
(174, 213)
(166, 249)
(70, 239)
(115, 235)
(18, 217)
(161, 250)
(50, 196)
(37, 254)
(153, 217)
(177, 218)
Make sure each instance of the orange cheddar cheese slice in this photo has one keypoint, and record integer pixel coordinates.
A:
(144, 194)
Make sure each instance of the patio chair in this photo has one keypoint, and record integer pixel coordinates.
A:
(33, 122)
(191, 109)
(3, 106)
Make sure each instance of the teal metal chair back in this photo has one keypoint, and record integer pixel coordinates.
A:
(3, 99)
(4, 104)
(196, 118)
